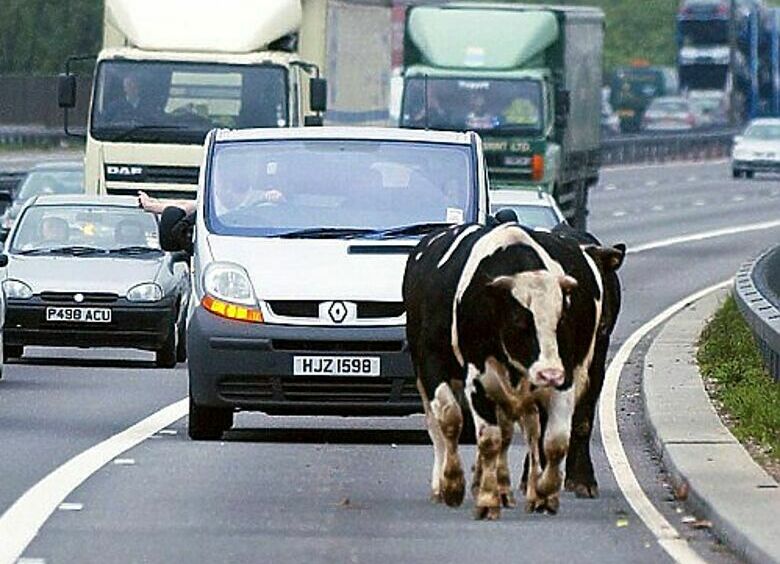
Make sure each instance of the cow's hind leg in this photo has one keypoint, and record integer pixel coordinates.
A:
(449, 420)
(580, 477)
(506, 424)
(437, 438)
(484, 410)
(560, 408)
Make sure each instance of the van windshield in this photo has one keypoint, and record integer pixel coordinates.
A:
(156, 101)
(277, 188)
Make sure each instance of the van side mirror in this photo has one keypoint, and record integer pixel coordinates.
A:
(562, 106)
(507, 215)
(318, 94)
(66, 91)
(171, 231)
(3, 260)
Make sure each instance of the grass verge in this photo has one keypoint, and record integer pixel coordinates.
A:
(729, 358)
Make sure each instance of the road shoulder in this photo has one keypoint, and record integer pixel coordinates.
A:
(724, 484)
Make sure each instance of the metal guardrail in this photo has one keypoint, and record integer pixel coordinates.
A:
(667, 147)
(757, 293)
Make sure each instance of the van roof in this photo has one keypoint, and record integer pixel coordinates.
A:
(345, 133)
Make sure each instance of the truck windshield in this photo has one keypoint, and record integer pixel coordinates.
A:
(480, 105)
(634, 88)
(352, 187)
(180, 102)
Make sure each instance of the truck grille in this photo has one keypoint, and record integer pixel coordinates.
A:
(152, 174)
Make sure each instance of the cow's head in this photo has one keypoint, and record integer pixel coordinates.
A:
(532, 304)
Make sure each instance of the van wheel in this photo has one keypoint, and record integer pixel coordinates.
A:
(181, 342)
(165, 357)
(749, 174)
(736, 173)
(12, 351)
(208, 423)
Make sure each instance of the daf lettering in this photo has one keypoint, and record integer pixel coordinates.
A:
(124, 170)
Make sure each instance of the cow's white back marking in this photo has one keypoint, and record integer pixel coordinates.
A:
(465, 233)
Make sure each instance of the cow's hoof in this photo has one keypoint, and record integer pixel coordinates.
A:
(552, 504)
(436, 497)
(453, 491)
(508, 500)
(487, 513)
(582, 489)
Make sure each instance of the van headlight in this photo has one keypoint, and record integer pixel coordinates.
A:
(228, 282)
(148, 292)
(17, 290)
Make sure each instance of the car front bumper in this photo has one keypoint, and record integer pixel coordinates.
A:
(756, 165)
(134, 325)
(249, 366)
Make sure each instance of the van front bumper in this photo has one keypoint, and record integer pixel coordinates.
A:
(248, 366)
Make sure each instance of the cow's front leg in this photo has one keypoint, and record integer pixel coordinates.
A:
(531, 426)
(506, 423)
(560, 407)
(449, 419)
(484, 411)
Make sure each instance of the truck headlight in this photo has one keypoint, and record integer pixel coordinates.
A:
(148, 292)
(17, 290)
(229, 293)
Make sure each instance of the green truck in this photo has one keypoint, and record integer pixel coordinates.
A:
(526, 78)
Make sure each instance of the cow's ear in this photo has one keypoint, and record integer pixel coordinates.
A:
(502, 283)
(568, 283)
(609, 259)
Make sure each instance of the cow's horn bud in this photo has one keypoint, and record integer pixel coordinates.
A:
(567, 283)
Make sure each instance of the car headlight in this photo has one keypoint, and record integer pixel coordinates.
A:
(17, 290)
(228, 282)
(742, 153)
(148, 292)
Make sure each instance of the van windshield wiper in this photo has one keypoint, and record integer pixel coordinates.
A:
(134, 250)
(77, 250)
(413, 229)
(325, 233)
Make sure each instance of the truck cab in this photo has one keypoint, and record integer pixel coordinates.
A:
(301, 239)
(159, 87)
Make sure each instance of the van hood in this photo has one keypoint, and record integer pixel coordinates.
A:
(317, 269)
(82, 274)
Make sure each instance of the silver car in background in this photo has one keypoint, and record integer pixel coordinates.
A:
(757, 149)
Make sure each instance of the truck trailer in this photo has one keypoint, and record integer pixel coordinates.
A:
(526, 78)
(171, 71)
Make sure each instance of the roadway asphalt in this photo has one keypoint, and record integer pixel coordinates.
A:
(357, 495)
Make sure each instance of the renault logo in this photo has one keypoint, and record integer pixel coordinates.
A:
(337, 312)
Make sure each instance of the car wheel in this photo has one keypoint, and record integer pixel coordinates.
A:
(736, 173)
(208, 423)
(181, 341)
(165, 357)
(749, 174)
(12, 351)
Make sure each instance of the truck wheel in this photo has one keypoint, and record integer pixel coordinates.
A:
(12, 351)
(208, 423)
(749, 174)
(165, 357)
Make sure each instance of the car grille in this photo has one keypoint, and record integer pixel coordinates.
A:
(89, 297)
(318, 389)
(294, 345)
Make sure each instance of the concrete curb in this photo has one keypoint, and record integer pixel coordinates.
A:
(725, 485)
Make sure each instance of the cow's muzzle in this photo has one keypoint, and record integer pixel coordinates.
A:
(552, 377)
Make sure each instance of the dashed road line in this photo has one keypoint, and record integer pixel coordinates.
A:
(703, 236)
(619, 213)
(668, 537)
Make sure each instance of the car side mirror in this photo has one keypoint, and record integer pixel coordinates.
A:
(318, 94)
(3, 260)
(313, 121)
(738, 139)
(506, 215)
(66, 91)
(169, 229)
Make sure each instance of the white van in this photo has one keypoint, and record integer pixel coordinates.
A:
(300, 244)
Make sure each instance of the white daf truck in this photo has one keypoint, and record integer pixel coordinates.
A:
(171, 71)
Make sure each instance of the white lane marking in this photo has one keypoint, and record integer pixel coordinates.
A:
(668, 537)
(691, 179)
(169, 432)
(679, 164)
(699, 203)
(618, 213)
(658, 208)
(738, 199)
(124, 461)
(610, 187)
(702, 236)
(31, 561)
(22, 521)
(651, 183)
(70, 506)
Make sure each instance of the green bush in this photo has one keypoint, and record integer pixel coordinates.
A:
(729, 356)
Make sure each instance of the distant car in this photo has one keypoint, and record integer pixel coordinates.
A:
(536, 210)
(757, 149)
(712, 105)
(671, 113)
(88, 272)
(610, 121)
(65, 177)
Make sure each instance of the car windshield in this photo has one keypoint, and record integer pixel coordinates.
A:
(764, 132)
(40, 182)
(83, 228)
(337, 188)
(181, 102)
(459, 104)
(531, 216)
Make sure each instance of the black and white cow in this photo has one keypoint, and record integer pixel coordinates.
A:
(503, 320)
